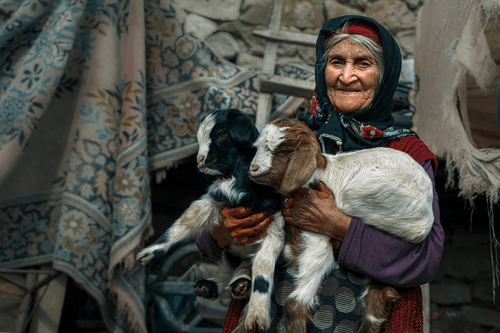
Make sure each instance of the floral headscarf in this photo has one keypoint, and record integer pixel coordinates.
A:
(366, 128)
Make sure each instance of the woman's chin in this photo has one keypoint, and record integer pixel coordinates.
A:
(346, 110)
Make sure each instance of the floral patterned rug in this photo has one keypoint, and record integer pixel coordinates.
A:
(95, 97)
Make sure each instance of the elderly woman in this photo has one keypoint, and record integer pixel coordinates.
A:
(357, 71)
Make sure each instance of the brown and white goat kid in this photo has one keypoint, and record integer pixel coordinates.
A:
(226, 150)
(383, 187)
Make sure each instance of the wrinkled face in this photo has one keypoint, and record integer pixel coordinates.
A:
(351, 76)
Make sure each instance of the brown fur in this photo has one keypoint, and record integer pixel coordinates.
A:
(379, 302)
(297, 316)
(294, 240)
(294, 162)
(291, 171)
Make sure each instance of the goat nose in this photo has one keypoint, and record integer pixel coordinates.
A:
(200, 159)
(253, 169)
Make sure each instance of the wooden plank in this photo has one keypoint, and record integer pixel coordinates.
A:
(280, 36)
(288, 86)
(275, 20)
(263, 110)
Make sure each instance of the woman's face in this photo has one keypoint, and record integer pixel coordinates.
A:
(351, 76)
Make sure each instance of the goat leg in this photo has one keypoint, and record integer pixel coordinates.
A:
(258, 318)
(379, 299)
(314, 263)
(200, 215)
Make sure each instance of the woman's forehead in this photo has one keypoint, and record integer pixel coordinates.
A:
(349, 48)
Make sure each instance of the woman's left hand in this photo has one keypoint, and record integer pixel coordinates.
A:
(315, 210)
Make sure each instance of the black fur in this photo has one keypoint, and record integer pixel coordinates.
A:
(235, 159)
(261, 284)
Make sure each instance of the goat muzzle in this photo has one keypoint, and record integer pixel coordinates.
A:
(253, 170)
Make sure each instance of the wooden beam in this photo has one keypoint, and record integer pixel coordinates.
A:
(279, 36)
(265, 100)
(288, 86)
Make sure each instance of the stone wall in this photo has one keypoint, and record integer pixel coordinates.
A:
(227, 25)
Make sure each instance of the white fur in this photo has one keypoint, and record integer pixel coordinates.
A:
(268, 140)
(259, 306)
(227, 187)
(205, 213)
(356, 179)
(203, 136)
(311, 265)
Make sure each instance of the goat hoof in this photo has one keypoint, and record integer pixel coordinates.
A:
(241, 288)
(150, 257)
(206, 289)
(145, 257)
(256, 324)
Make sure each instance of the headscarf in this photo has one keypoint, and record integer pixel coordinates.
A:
(366, 128)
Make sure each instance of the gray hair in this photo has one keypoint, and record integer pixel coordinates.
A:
(376, 50)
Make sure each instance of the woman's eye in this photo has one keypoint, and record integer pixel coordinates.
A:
(221, 135)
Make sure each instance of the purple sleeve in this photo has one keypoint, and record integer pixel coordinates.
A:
(390, 259)
(207, 247)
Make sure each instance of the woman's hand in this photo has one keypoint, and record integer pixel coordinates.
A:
(240, 226)
(315, 210)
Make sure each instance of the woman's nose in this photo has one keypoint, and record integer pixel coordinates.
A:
(348, 75)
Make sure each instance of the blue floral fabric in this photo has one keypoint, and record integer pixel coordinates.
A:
(95, 96)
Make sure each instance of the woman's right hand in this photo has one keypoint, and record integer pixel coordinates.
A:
(241, 226)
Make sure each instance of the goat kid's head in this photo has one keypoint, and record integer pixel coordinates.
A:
(287, 156)
(222, 137)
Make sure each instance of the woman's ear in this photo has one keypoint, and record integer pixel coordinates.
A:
(301, 167)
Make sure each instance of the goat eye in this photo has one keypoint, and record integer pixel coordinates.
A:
(221, 135)
(284, 152)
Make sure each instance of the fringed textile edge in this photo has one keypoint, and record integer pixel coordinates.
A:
(119, 295)
(478, 169)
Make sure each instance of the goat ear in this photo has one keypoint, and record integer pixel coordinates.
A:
(301, 167)
(242, 131)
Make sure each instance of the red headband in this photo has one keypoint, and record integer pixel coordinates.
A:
(360, 29)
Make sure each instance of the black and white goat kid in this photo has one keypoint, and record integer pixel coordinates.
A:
(226, 150)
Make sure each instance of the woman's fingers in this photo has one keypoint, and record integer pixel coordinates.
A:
(250, 225)
(323, 189)
(250, 239)
(235, 212)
